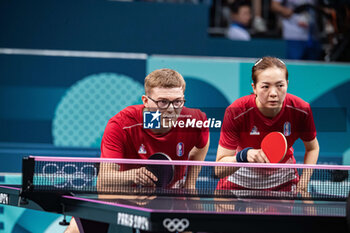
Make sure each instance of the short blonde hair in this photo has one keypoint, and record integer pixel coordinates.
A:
(165, 78)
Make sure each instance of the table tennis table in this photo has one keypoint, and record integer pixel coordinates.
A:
(113, 213)
(162, 213)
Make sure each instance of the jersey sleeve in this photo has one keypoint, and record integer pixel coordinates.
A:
(229, 136)
(203, 136)
(308, 129)
(113, 141)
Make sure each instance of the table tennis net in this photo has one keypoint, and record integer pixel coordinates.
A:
(263, 181)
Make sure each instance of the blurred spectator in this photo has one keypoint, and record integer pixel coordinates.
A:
(298, 28)
(220, 16)
(240, 20)
(338, 48)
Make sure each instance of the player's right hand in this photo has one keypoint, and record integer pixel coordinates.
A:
(257, 156)
(144, 177)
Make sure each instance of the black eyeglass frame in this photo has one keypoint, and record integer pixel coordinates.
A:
(169, 102)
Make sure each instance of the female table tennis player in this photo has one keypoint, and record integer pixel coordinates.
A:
(250, 118)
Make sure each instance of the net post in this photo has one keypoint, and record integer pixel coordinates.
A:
(28, 164)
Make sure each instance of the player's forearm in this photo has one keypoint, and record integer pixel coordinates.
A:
(226, 159)
(304, 179)
(193, 171)
(199, 154)
(222, 172)
(311, 156)
(192, 175)
(120, 177)
(312, 150)
(225, 155)
(306, 175)
(109, 178)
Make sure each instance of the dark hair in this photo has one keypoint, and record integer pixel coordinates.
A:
(234, 7)
(265, 63)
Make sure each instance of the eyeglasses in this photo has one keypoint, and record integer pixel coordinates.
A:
(164, 104)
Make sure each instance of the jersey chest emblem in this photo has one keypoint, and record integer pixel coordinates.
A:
(142, 149)
(180, 149)
(254, 131)
(287, 129)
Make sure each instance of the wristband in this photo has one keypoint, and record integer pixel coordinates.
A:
(242, 155)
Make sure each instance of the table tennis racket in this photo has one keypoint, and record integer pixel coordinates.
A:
(274, 145)
(164, 173)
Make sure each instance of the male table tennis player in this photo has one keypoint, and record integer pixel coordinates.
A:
(250, 118)
(125, 137)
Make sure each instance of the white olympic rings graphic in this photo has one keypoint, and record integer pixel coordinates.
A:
(60, 178)
(176, 224)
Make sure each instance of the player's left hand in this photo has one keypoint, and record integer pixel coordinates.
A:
(302, 187)
(309, 208)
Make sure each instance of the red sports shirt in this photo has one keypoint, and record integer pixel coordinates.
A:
(125, 137)
(245, 126)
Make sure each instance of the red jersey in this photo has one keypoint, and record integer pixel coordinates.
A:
(245, 126)
(125, 137)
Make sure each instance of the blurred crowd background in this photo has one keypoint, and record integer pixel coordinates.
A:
(313, 29)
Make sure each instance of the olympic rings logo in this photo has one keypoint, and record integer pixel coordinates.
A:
(69, 175)
(176, 224)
